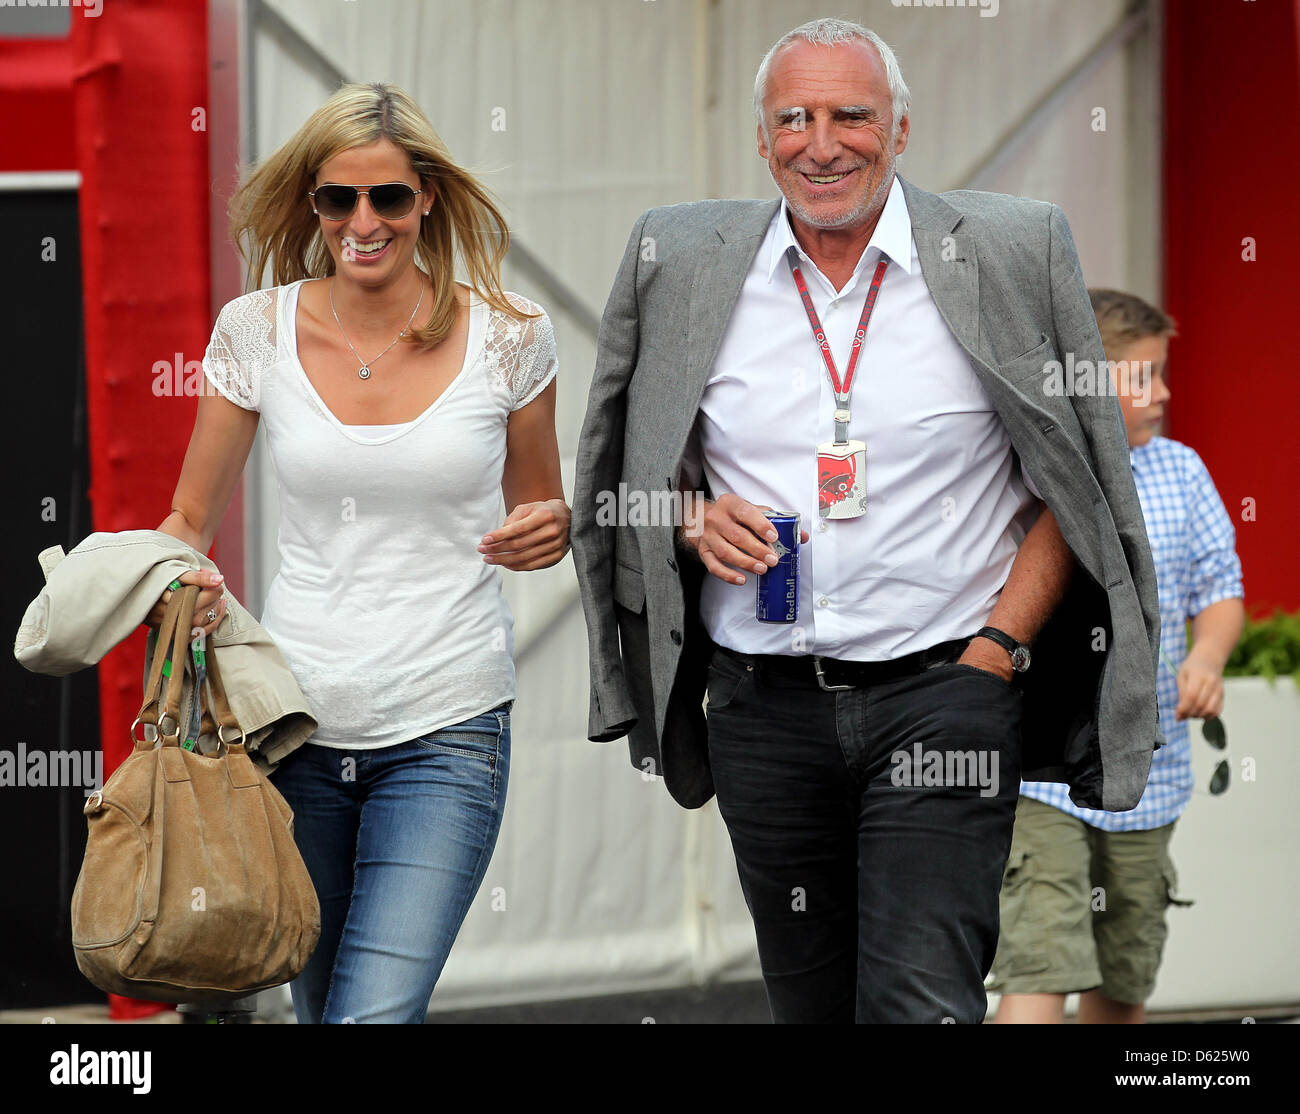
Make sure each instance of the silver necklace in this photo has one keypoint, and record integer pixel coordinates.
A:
(364, 370)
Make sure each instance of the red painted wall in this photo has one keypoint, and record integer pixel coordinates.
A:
(1231, 163)
(36, 91)
(140, 71)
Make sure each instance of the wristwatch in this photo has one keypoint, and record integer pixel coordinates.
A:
(1018, 651)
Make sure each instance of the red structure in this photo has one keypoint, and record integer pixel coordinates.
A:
(140, 94)
(1231, 160)
(37, 121)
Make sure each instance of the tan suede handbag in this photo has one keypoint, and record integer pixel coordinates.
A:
(192, 888)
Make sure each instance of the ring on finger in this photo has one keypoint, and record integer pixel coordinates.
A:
(212, 614)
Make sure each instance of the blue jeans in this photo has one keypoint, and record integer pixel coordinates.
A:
(396, 841)
(872, 877)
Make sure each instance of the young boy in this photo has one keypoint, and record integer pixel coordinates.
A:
(1085, 892)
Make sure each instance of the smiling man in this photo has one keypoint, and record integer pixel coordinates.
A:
(870, 357)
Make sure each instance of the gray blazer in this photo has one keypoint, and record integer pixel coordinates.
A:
(1005, 276)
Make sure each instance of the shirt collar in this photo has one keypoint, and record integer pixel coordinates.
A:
(892, 235)
(1138, 456)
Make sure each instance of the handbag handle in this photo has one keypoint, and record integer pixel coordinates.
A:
(171, 643)
(218, 702)
(164, 650)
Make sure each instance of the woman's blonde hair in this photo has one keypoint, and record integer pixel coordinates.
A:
(271, 221)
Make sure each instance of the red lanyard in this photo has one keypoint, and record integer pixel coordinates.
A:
(819, 334)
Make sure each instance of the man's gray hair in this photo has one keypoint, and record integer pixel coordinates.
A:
(833, 32)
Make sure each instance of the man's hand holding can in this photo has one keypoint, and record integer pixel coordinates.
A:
(731, 536)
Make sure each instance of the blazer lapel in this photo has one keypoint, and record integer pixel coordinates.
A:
(719, 275)
(950, 266)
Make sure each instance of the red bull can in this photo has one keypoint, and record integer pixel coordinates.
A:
(778, 588)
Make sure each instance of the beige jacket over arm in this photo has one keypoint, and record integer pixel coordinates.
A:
(95, 596)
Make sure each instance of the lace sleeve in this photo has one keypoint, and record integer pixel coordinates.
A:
(523, 352)
(242, 348)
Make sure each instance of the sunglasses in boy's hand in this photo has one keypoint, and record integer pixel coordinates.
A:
(1213, 732)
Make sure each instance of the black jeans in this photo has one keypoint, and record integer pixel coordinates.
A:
(871, 828)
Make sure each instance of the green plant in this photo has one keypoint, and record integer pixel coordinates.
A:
(1269, 648)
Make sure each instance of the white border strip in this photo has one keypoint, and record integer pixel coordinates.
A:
(11, 181)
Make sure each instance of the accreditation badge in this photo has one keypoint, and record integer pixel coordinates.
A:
(842, 479)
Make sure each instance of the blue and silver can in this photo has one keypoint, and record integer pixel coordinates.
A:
(778, 588)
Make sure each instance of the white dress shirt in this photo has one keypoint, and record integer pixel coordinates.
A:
(947, 505)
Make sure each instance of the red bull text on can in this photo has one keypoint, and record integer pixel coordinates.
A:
(778, 588)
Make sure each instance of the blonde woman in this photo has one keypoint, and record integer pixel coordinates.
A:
(398, 404)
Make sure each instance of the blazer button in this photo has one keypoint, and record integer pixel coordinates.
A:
(672, 564)
(676, 636)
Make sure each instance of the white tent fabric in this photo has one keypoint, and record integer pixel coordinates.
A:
(580, 114)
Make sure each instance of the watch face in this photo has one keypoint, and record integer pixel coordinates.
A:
(1020, 659)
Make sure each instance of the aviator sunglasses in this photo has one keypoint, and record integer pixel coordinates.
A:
(390, 200)
(1212, 731)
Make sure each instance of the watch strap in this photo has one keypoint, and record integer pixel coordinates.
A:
(1020, 657)
(1009, 644)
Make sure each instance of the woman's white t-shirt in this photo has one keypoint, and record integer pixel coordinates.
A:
(389, 618)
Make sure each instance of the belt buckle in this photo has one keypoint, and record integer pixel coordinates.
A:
(821, 678)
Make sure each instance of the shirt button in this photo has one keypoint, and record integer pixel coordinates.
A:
(823, 526)
(823, 602)
(676, 636)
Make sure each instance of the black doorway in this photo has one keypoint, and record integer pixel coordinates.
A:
(45, 496)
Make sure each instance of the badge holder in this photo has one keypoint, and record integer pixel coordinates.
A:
(841, 475)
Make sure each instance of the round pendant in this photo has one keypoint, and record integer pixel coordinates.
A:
(364, 372)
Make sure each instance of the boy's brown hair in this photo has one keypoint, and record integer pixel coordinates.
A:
(1125, 318)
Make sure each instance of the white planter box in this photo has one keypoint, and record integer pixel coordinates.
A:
(1236, 856)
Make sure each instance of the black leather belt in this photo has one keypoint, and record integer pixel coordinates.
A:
(831, 675)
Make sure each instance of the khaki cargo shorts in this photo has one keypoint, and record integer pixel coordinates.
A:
(1082, 908)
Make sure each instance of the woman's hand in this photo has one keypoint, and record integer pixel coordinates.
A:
(533, 536)
(213, 585)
